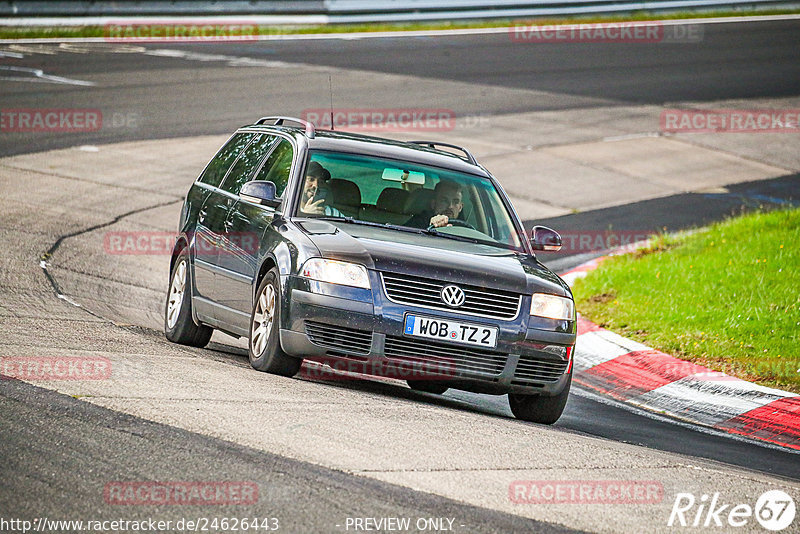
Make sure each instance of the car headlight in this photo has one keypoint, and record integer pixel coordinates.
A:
(552, 307)
(336, 272)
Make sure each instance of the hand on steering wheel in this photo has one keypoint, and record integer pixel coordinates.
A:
(438, 221)
(460, 222)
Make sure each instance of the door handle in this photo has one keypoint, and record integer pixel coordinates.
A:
(201, 216)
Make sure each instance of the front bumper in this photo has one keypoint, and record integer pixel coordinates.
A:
(325, 322)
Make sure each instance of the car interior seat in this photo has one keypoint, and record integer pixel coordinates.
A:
(418, 201)
(346, 196)
(390, 206)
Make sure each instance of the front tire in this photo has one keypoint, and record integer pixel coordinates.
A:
(179, 327)
(539, 409)
(265, 351)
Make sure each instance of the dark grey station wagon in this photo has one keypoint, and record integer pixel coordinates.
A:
(402, 259)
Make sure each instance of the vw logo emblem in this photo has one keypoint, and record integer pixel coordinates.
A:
(452, 296)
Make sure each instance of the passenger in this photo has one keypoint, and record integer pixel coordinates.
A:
(314, 199)
(446, 204)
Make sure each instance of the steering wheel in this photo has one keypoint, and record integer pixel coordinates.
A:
(460, 222)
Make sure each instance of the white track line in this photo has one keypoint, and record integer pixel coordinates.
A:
(38, 76)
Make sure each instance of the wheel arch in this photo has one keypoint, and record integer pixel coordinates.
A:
(268, 264)
(180, 244)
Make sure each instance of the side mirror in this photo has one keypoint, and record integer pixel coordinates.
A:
(260, 192)
(544, 238)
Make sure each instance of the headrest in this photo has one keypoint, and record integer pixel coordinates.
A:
(345, 192)
(392, 199)
(418, 201)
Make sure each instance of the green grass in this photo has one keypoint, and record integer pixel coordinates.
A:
(28, 32)
(727, 297)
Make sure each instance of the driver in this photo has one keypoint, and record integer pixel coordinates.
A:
(314, 197)
(446, 204)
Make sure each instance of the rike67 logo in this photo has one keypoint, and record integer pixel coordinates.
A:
(774, 510)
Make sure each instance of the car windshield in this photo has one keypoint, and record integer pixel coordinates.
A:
(406, 196)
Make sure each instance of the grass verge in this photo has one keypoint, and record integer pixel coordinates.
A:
(726, 297)
(60, 32)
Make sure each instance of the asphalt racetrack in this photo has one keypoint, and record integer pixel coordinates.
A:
(571, 130)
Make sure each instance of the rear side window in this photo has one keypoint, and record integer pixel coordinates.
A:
(246, 165)
(278, 166)
(215, 171)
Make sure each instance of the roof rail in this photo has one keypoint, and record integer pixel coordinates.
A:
(310, 130)
(433, 144)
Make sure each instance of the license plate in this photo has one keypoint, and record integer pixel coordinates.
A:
(455, 331)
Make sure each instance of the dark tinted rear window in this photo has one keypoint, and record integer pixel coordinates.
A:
(247, 163)
(215, 171)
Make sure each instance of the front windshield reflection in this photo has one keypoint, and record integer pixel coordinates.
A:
(401, 195)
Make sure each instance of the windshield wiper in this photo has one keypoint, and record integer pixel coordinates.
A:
(431, 230)
(351, 220)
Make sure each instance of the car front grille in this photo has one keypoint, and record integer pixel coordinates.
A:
(534, 369)
(424, 292)
(454, 359)
(339, 338)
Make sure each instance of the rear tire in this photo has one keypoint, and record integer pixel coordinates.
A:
(427, 386)
(264, 348)
(537, 408)
(179, 327)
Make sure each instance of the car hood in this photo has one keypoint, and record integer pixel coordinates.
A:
(434, 257)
